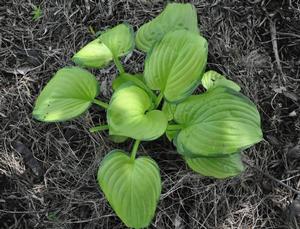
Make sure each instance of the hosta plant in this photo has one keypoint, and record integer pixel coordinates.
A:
(209, 130)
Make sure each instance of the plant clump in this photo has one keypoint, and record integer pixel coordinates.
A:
(209, 130)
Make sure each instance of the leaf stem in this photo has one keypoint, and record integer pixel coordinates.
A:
(159, 98)
(98, 128)
(134, 149)
(119, 65)
(100, 103)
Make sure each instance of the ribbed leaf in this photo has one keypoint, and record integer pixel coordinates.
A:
(176, 64)
(174, 17)
(67, 95)
(220, 120)
(134, 79)
(129, 114)
(213, 79)
(221, 167)
(132, 187)
(114, 42)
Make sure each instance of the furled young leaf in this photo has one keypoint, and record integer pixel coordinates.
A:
(114, 42)
(174, 17)
(176, 64)
(171, 134)
(132, 187)
(213, 79)
(220, 167)
(67, 95)
(134, 79)
(169, 109)
(129, 114)
(220, 120)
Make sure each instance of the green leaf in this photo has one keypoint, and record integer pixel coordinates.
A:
(169, 109)
(132, 187)
(117, 138)
(114, 42)
(36, 13)
(220, 120)
(171, 134)
(119, 39)
(220, 167)
(213, 79)
(130, 114)
(175, 16)
(67, 95)
(134, 79)
(94, 55)
(176, 64)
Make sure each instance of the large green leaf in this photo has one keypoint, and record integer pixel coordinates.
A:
(132, 187)
(176, 64)
(174, 17)
(220, 120)
(130, 114)
(213, 79)
(67, 95)
(221, 167)
(114, 42)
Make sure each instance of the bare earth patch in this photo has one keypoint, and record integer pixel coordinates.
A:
(48, 171)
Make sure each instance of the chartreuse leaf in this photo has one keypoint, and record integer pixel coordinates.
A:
(220, 167)
(132, 187)
(67, 95)
(175, 16)
(213, 79)
(130, 114)
(113, 43)
(220, 120)
(119, 39)
(134, 79)
(94, 55)
(176, 64)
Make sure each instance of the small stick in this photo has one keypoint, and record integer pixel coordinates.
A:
(275, 46)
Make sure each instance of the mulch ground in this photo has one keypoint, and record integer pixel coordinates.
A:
(48, 171)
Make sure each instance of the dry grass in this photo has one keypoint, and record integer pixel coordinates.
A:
(52, 184)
